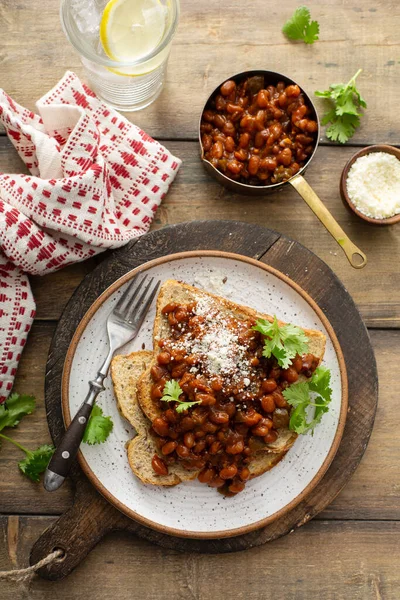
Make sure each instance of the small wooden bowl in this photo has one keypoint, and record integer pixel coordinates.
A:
(343, 183)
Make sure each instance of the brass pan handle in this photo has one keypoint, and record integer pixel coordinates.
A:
(356, 257)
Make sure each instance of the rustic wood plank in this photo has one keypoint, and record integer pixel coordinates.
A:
(52, 291)
(359, 560)
(215, 40)
(194, 196)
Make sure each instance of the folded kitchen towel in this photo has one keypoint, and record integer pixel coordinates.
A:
(96, 181)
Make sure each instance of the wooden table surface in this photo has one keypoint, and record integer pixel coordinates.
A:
(352, 550)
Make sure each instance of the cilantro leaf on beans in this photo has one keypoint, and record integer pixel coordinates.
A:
(317, 393)
(172, 392)
(283, 342)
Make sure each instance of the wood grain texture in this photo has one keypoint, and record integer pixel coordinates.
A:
(214, 41)
(194, 195)
(333, 560)
(306, 269)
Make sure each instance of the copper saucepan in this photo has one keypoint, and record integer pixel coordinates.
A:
(355, 256)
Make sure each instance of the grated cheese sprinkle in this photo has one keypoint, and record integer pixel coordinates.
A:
(218, 348)
(373, 185)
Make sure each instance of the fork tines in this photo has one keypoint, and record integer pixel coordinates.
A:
(126, 296)
(130, 305)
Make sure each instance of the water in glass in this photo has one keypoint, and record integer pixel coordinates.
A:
(124, 46)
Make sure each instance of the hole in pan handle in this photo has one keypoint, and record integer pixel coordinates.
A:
(356, 257)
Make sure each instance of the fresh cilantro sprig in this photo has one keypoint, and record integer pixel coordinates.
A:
(98, 427)
(282, 342)
(317, 393)
(171, 393)
(344, 116)
(300, 26)
(11, 412)
(36, 461)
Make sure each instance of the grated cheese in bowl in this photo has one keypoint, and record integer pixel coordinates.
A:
(373, 185)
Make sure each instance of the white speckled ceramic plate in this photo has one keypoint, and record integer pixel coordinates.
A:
(192, 509)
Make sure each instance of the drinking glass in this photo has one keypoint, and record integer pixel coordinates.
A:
(135, 82)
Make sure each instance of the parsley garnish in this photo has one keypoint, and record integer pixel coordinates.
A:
(171, 393)
(98, 427)
(282, 342)
(344, 117)
(316, 392)
(11, 413)
(300, 27)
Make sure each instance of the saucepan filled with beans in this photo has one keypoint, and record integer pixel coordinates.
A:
(258, 133)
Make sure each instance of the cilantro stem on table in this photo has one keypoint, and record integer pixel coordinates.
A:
(17, 406)
(344, 116)
(283, 342)
(5, 437)
(300, 26)
(317, 393)
(11, 412)
(36, 461)
(171, 393)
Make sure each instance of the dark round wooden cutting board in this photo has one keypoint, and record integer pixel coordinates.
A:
(91, 516)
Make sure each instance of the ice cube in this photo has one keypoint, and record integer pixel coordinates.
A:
(87, 15)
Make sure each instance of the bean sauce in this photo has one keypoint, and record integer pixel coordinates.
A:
(256, 133)
(239, 407)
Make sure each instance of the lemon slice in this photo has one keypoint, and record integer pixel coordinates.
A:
(131, 29)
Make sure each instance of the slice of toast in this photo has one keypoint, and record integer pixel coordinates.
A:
(181, 293)
(125, 373)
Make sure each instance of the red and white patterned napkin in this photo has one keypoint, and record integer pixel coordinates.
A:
(96, 182)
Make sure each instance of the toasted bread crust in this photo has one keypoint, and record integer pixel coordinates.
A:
(125, 373)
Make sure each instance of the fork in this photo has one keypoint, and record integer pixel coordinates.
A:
(123, 324)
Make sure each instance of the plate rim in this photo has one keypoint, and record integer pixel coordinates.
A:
(341, 419)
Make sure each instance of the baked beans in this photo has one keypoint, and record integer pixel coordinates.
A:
(257, 133)
(237, 414)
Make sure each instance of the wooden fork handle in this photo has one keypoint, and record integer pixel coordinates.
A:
(62, 459)
(64, 456)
